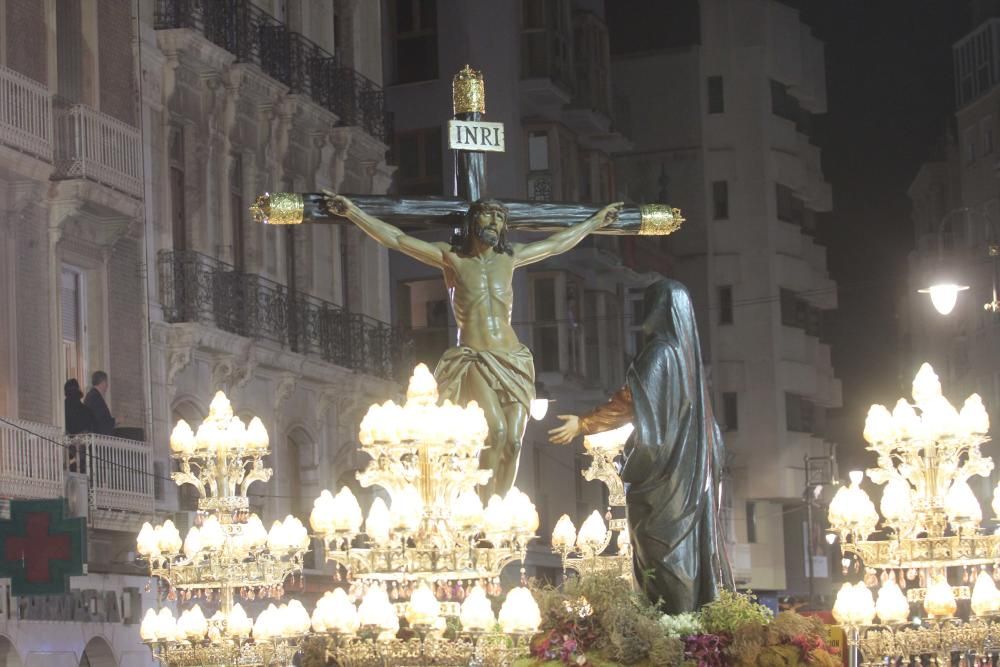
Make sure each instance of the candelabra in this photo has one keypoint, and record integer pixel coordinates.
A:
(930, 519)
(433, 553)
(583, 551)
(227, 553)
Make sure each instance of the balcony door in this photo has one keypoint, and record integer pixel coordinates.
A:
(73, 305)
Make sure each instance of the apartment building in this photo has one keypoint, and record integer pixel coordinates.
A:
(133, 137)
(721, 99)
(956, 218)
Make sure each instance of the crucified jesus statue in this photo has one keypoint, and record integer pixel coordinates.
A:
(488, 364)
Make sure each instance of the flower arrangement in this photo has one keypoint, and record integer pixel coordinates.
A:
(598, 621)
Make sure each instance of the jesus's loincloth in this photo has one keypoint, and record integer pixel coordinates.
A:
(510, 374)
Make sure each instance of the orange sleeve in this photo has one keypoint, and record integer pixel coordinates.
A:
(616, 412)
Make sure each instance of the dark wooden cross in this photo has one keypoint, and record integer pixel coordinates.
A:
(470, 138)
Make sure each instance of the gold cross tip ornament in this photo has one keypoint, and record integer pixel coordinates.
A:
(659, 219)
(278, 208)
(468, 91)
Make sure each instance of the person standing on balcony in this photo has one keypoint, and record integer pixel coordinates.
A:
(104, 422)
(79, 419)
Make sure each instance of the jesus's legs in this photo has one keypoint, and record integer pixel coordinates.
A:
(505, 472)
(477, 388)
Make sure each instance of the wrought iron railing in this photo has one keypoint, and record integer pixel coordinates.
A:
(198, 288)
(254, 36)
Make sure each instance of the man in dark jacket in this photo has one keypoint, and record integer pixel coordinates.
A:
(105, 423)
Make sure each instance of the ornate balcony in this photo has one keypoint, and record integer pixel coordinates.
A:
(35, 462)
(94, 146)
(198, 288)
(25, 114)
(256, 37)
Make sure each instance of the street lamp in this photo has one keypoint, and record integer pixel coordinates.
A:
(944, 291)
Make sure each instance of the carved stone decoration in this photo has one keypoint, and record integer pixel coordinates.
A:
(180, 343)
(222, 373)
(283, 390)
(244, 367)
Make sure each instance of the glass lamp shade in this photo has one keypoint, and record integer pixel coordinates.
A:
(944, 296)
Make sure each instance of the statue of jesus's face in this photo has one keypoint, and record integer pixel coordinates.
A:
(488, 224)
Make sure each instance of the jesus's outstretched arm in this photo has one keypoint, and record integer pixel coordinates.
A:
(562, 241)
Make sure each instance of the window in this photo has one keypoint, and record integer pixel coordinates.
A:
(799, 413)
(73, 317)
(730, 411)
(789, 207)
(415, 46)
(725, 304)
(986, 129)
(638, 307)
(783, 104)
(546, 334)
(975, 63)
(970, 145)
(716, 97)
(751, 522)
(720, 200)
(236, 210)
(419, 156)
(177, 212)
(546, 40)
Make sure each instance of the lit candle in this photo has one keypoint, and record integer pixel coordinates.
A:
(146, 543)
(467, 511)
(973, 417)
(340, 614)
(519, 612)
(926, 386)
(892, 606)
(166, 625)
(593, 534)
(169, 538)
(423, 608)
(961, 505)
(238, 624)
(854, 605)
(147, 630)
(477, 611)
(496, 518)
(220, 408)
(256, 438)
(906, 421)
(564, 534)
(256, 534)
(297, 623)
(896, 501)
(378, 523)
(182, 438)
(939, 601)
(375, 609)
(321, 517)
(348, 516)
(212, 535)
(878, 425)
(277, 540)
(985, 596)
(539, 408)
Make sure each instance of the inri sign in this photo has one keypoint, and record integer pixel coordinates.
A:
(466, 135)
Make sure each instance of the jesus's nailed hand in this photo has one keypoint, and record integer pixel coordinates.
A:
(610, 213)
(337, 204)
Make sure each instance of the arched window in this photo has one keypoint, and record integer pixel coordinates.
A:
(98, 653)
(8, 654)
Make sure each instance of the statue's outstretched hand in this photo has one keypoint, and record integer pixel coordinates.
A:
(609, 213)
(338, 204)
(563, 435)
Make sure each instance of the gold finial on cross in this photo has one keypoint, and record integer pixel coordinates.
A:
(468, 91)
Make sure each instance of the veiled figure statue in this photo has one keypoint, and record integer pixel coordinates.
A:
(673, 460)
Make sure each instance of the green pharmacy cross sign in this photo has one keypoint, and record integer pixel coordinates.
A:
(41, 548)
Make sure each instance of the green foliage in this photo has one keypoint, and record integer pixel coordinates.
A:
(314, 652)
(731, 611)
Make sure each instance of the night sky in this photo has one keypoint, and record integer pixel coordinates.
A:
(890, 95)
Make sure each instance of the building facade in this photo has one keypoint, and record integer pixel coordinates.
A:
(135, 136)
(721, 105)
(956, 219)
